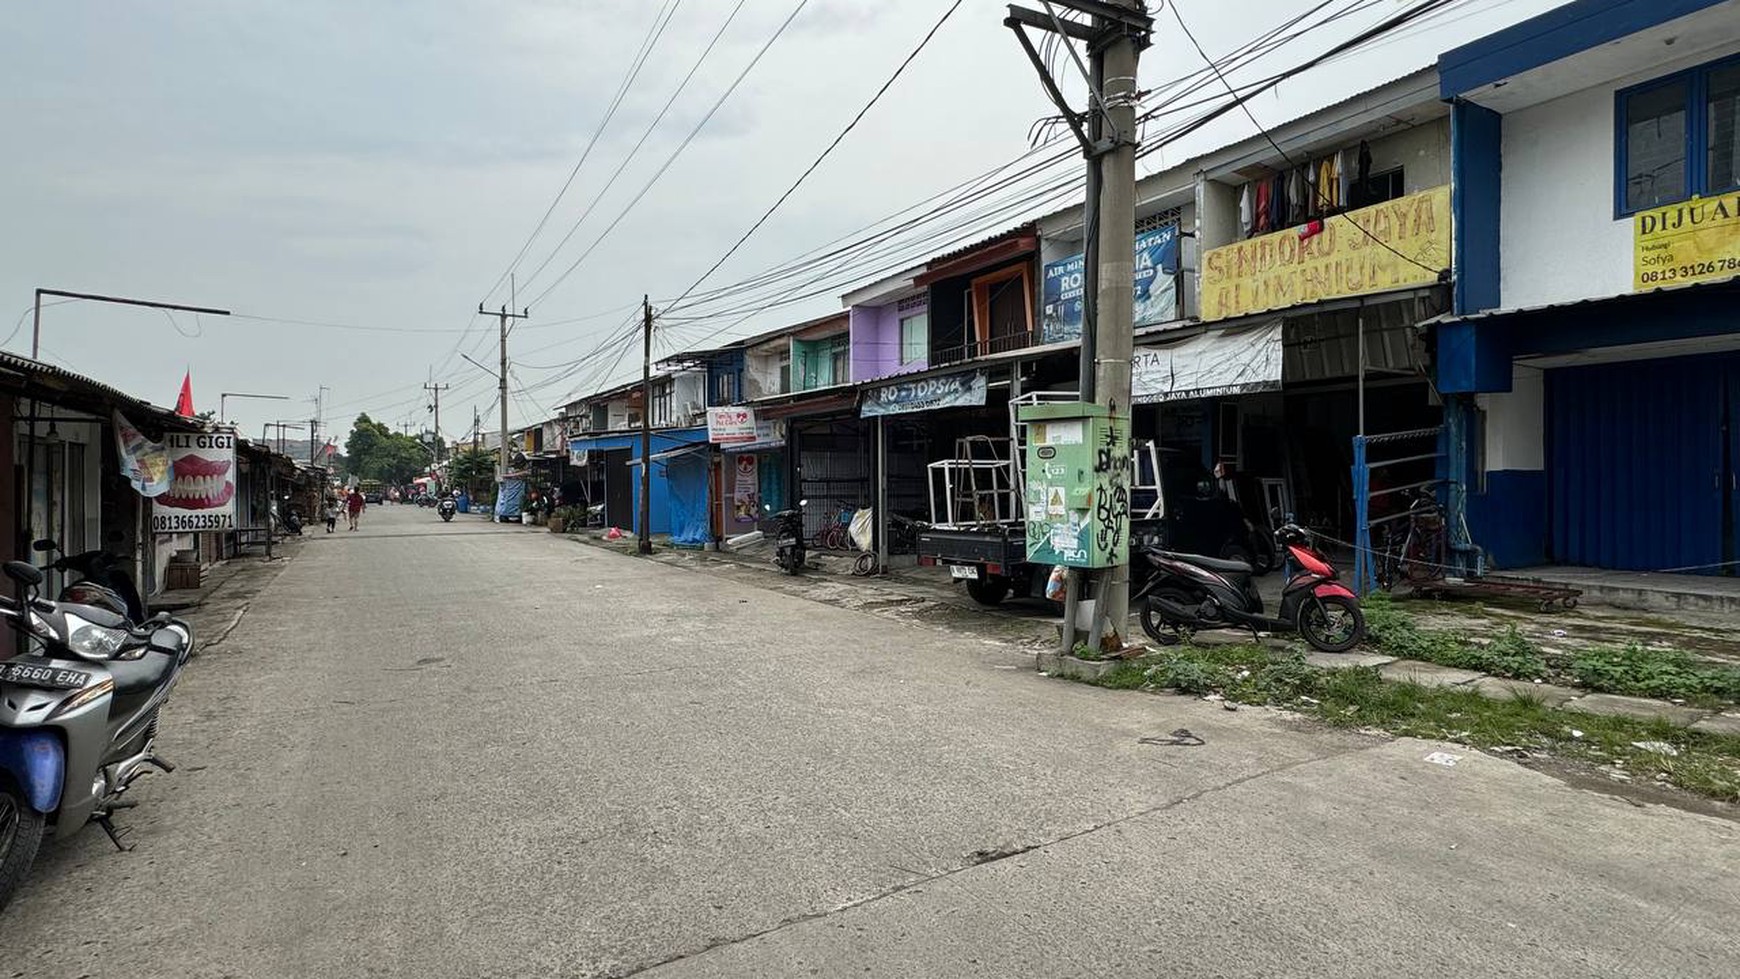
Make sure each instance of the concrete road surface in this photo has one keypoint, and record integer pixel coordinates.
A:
(463, 750)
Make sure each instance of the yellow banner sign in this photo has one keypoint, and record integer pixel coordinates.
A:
(1697, 241)
(1393, 245)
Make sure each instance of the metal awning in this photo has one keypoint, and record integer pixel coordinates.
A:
(690, 449)
(1214, 364)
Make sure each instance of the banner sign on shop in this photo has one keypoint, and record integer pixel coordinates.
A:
(727, 425)
(202, 486)
(145, 463)
(1394, 245)
(1216, 364)
(948, 391)
(746, 489)
(1697, 241)
(1156, 289)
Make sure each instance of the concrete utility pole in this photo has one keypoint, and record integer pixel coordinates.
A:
(504, 315)
(1115, 37)
(437, 389)
(643, 536)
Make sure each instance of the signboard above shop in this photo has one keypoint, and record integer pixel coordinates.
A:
(202, 484)
(926, 394)
(1156, 286)
(1398, 244)
(1696, 241)
(729, 424)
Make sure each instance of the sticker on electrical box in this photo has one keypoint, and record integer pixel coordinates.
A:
(1061, 433)
(1054, 502)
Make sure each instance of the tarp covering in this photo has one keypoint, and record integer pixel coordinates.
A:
(1209, 365)
(686, 476)
(510, 499)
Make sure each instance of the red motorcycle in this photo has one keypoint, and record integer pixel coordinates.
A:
(1187, 593)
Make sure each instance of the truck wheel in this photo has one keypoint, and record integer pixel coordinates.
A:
(989, 590)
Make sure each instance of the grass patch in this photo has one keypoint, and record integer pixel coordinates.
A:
(1664, 673)
(1707, 764)
(1634, 670)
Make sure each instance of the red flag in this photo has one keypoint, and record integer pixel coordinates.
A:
(184, 404)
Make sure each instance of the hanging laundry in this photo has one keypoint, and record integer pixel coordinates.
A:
(1364, 194)
(1265, 190)
(1326, 185)
(1246, 207)
(1278, 202)
(1346, 163)
(1297, 196)
(1313, 206)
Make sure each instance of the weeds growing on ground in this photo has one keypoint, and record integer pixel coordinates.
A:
(1359, 697)
(1635, 670)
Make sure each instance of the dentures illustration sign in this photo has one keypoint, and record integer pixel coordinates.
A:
(202, 484)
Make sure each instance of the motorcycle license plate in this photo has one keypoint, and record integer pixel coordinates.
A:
(787, 542)
(965, 571)
(46, 677)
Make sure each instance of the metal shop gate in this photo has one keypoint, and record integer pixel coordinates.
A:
(1641, 464)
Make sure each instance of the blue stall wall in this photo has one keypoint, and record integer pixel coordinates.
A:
(1509, 520)
(685, 479)
(1634, 456)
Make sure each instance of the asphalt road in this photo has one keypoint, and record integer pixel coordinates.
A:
(463, 751)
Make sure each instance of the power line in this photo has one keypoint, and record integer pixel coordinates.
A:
(632, 153)
(676, 153)
(899, 69)
(661, 20)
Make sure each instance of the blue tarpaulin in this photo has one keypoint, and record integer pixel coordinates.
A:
(508, 501)
(686, 476)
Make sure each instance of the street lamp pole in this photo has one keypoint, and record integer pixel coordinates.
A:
(226, 395)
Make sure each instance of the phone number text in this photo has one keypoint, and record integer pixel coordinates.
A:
(1691, 270)
(170, 523)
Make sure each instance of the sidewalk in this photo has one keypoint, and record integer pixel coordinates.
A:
(1035, 624)
(226, 591)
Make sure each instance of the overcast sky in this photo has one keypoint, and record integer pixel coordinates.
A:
(378, 165)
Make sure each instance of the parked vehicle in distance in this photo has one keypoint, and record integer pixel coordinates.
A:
(788, 537)
(1186, 593)
(78, 712)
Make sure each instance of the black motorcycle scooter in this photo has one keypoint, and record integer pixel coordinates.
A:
(788, 537)
(1186, 593)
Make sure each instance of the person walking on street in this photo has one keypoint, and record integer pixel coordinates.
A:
(354, 505)
(329, 513)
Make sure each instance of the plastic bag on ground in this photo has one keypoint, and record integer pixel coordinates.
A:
(863, 529)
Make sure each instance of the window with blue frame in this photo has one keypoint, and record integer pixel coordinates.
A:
(1678, 137)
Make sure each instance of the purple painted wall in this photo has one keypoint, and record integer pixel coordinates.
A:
(876, 343)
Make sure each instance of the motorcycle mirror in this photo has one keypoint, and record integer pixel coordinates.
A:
(44, 545)
(24, 573)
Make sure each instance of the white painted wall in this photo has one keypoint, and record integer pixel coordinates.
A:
(1514, 438)
(1558, 238)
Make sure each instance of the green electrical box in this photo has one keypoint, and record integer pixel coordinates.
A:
(1077, 485)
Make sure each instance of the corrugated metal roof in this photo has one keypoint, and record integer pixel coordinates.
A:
(96, 389)
(1620, 298)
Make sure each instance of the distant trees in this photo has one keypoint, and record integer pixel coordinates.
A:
(374, 451)
(468, 468)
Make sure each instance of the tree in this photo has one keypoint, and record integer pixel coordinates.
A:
(374, 451)
(467, 468)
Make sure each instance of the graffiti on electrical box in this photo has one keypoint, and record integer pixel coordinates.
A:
(1112, 506)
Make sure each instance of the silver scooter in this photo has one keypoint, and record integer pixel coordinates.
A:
(78, 712)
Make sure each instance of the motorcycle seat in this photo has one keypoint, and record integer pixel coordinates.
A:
(1211, 563)
(141, 674)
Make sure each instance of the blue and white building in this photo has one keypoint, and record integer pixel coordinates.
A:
(1591, 365)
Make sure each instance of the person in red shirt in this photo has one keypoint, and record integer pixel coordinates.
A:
(353, 504)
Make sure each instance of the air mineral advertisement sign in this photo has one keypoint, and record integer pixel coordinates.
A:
(1156, 287)
(1697, 241)
(202, 484)
(1398, 244)
(948, 391)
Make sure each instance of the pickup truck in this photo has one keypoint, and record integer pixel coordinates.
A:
(1196, 518)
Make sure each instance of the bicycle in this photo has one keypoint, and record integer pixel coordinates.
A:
(1421, 551)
